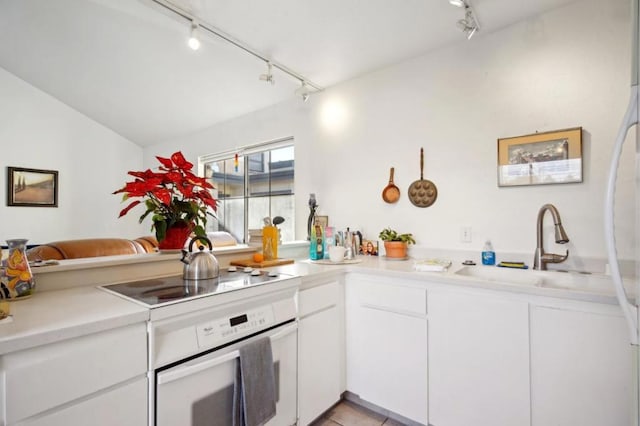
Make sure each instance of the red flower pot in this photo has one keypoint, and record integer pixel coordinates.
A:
(176, 237)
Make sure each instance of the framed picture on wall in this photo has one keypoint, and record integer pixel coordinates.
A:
(541, 158)
(32, 187)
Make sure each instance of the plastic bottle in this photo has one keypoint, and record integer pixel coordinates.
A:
(270, 242)
(316, 246)
(488, 255)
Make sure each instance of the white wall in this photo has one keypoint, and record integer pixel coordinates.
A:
(37, 131)
(567, 68)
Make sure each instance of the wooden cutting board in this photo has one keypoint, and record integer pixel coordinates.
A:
(264, 264)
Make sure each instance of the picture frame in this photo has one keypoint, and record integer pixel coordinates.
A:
(322, 221)
(541, 158)
(369, 248)
(32, 187)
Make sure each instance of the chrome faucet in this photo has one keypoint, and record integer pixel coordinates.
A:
(541, 258)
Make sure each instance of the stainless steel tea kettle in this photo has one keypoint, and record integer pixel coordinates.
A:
(201, 265)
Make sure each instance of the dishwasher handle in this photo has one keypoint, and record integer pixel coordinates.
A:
(170, 376)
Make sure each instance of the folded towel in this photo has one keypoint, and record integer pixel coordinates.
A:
(432, 265)
(254, 396)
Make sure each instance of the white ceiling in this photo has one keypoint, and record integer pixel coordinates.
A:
(125, 63)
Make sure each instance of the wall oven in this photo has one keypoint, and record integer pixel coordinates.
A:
(194, 338)
(199, 392)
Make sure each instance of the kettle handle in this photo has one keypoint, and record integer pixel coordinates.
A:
(202, 238)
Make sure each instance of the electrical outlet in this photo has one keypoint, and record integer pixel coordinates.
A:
(465, 234)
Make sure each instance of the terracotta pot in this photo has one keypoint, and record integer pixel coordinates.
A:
(176, 237)
(396, 249)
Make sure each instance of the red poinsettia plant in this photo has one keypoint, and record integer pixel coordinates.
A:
(174, 195)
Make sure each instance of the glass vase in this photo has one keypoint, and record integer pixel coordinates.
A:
(16, 280)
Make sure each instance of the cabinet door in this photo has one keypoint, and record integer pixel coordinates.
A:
(387, 360)
(123, 406)
(319, 363)
(478, 360)
(581, 368)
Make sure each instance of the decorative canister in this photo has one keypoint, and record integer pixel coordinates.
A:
(16, 278)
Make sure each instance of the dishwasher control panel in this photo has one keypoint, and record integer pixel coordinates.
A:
(215, 332)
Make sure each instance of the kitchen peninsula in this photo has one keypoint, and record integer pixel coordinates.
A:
(498, 342)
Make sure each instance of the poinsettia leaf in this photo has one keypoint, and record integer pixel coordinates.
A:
(179, 160)
(165, 162)
(129, 207)
(161, 229)
(199, 231)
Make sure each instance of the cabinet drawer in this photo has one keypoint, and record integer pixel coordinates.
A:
(123, 406)
(318, 298)
(42, 378)
(396, 298)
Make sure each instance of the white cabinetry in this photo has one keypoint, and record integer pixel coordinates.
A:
(580, 367)
(321, 349)
(98, 379)
(386, 337)
(478, 359)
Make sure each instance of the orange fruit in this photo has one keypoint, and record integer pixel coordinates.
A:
(258, 257)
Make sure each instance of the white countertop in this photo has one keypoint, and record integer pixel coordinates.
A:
(50, 316)
(379, 266)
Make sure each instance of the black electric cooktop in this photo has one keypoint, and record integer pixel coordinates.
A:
(165, 290)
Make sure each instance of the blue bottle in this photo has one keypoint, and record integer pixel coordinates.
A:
(316, 245)
(488, 255)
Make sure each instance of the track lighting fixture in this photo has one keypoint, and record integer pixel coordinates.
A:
(199, 27)
(194, 41)
(303, 91)
(469, 24)
(268, 77)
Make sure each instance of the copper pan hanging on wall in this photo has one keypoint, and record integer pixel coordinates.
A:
(391, 193)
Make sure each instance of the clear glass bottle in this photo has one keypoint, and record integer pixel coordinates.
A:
(20, 279)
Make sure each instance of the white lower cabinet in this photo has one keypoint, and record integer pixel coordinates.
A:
(125, 405)
(478, 360)
(386, 338)
(320, 351)
(97, 379)
(581, 367)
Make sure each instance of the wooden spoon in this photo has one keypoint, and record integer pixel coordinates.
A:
(391, 193)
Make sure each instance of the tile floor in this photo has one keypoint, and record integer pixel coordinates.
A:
(347, 413)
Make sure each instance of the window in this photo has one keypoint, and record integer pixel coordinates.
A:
(258, 184)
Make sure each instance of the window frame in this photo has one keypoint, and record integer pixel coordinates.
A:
(245, 152)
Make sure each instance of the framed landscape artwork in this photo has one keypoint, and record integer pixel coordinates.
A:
(541, 158)
(32, 187)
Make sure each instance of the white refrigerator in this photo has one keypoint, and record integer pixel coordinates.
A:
(627, 302)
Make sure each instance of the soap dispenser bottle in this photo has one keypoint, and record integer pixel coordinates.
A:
(488, 255)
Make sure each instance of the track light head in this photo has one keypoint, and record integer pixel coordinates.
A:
(469, 24)
(194, 42)
(268, 77)
(457, 3)
(303, 91)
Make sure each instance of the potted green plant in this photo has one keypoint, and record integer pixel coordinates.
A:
(395, 245)
(178, 200)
